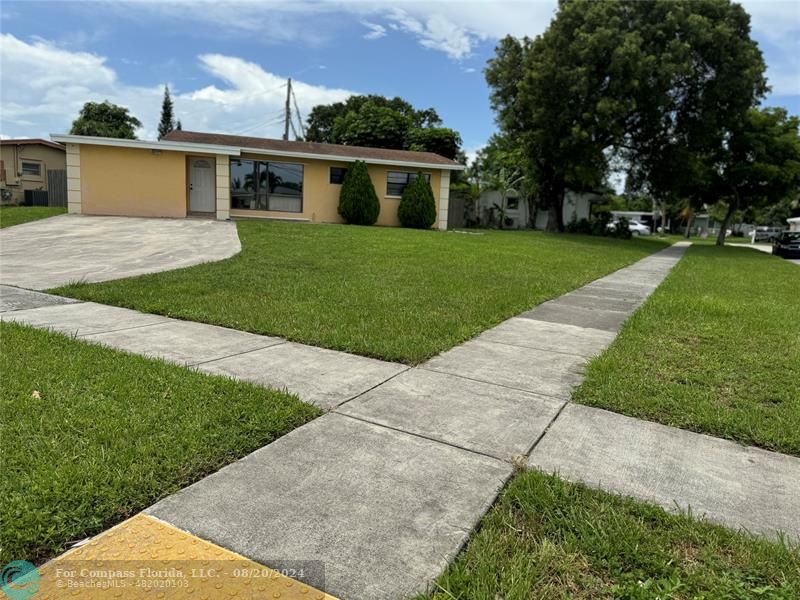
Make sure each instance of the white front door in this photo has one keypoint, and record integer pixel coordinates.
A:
(201, 185)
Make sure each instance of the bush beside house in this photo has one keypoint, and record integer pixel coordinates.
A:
(358, 202)
(417, 206)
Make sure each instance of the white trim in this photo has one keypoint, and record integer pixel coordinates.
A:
(369, 161)
(145, 144)
(194, 147)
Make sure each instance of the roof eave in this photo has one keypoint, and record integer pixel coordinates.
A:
(145, 144)
(237, 151)
(340, 158)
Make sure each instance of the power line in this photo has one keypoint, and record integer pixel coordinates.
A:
(276, 118)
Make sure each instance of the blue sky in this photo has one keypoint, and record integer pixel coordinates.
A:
(226, 61)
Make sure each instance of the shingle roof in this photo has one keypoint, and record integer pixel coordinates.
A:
(32, 141)
(332, 150)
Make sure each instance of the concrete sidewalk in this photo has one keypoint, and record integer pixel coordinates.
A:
(386, 488)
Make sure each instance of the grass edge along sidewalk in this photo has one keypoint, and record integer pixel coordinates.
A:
(98, 435)
(713, 350)
(395, 294)
(547, 538)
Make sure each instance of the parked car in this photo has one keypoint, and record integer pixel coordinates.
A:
(787, 245)
(765, 234)
(636, 227)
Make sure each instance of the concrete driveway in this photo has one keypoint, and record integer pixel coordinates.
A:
(52, 252)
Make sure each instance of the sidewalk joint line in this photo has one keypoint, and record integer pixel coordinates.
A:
(539, 348)
(547, 428)
(502, 385)
(210, 360)
(421, 436)
(377, 385)
(86, 335)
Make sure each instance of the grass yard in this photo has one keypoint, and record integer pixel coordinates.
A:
(546, 538)
(91, 436)
(715, 349)
(396, 294)
(16, 215)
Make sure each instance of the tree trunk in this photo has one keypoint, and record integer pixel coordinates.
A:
(555, 204)
(663, 218)
(724, 227)
(688, 233)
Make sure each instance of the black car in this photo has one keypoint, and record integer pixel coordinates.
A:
(787, 245)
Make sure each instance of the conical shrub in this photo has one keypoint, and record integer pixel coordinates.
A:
(358, 202)
(417, 207)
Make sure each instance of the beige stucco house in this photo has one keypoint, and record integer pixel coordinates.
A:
(227, 176)
(24, 164)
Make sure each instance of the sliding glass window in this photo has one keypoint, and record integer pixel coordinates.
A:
(262, 185)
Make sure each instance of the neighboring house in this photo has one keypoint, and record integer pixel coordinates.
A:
(24, 165)
(228, 176)
(517, 213)
(794, 224)
(577, 206)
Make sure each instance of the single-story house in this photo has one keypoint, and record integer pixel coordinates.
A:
(24, 165)
(794, 224)
(229, 176)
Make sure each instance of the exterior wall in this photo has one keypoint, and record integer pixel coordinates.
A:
(577, 206)
(321, 198)
(131, 182)
(519, 216)
(13, 156)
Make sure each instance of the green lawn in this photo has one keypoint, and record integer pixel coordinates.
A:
(715, 349)
(397, 294)
(546, 538)
(16, 215)
(90, 436)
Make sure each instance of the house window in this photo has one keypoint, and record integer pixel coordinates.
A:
(262, 185)
(33, 169)
(337, 175)
(512, 203)
(396, 181)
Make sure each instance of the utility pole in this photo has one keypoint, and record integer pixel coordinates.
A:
(287, 110)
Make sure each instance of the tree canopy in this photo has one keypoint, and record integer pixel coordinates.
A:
(380, 122)
(104, 119)
(167, 122)
(660, 85)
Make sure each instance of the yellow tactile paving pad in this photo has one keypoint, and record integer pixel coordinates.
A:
(149, 559)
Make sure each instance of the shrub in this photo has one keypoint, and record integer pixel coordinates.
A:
(621, 230)
(417, 207)
(579, 226)
(358, 202)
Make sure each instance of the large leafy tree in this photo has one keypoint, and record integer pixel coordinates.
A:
(374, 126)
(709, 74)
(566, 96)
(167, 122)
(661, 84)
(104, 119)
(760, 164)
(380, 122)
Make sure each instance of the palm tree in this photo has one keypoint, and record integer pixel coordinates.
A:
(506, 181)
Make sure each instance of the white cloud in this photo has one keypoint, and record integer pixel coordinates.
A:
(437, 33)
(375, 32)
(777, 24)
(45, 86)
